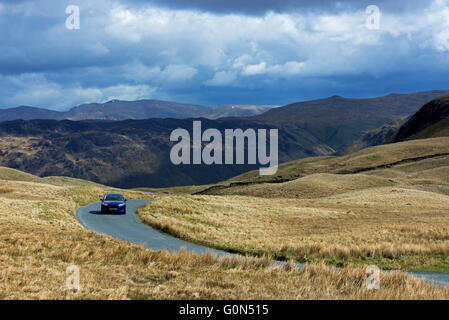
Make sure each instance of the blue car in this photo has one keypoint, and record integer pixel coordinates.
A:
(113, 203)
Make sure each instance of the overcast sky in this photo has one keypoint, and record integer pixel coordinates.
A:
(218, 52)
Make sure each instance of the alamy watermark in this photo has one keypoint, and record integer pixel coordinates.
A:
(373, 20)
(212, 153)
(73, 280)
(373, 280)
(72, 22)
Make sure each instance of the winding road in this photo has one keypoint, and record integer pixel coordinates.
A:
(129, 228)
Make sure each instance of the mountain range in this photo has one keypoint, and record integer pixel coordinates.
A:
(415, 144)
(339, 121)
(123, 110)
(135, 153)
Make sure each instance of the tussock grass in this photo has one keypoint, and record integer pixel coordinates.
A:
(34, 259)
(393, 227)
(9, 174)
(395, 216)
(364, 159)
(311, 186)
(40, 238)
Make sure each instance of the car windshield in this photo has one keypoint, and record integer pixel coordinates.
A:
(113, 197)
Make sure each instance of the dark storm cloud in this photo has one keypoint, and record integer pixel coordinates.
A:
(258, 7)
(218, 52)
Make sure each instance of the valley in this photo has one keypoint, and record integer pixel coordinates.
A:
(384, 205)
(136, 153)
(211, 157)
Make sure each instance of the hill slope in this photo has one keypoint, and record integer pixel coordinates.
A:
(429, 121)
(28, 113)
(382, 135)
(305, 176)
(135, 153)
(338, 121)
(130, 153)
(386, 205)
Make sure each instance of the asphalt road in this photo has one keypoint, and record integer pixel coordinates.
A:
(129, 228)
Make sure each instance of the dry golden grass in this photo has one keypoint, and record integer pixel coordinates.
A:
(34, 261)
(40, 237)
(311, 186)
(396, 217)
(9, 174)
(367, 158)
(389, 226)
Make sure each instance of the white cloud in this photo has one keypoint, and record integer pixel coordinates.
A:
(126, 92)
(255, 69)
(439, 16)
(174, 73)
(288, 68)
(241, 61)
(272, 44)
(36, 90)
(222, 78)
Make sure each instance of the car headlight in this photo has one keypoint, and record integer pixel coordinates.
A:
(105, 204)
(121, 205)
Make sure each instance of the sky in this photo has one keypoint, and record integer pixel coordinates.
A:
(214, 52)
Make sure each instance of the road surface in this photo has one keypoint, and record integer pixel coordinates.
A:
(129, 228)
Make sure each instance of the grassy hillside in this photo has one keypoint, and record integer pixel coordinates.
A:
(385, 205)
(391, 227)
(439, 129)
(364, 161)
(311, 186)
(430, 121)
(16, 175)
(40, 237)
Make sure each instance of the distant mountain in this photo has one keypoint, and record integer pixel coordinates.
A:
(135, 153)
(142, 109)
(338, 122)
(129, 153)
(28, 113)
(236, 111)
(431, 121)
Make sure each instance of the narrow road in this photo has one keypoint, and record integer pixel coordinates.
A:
(129, 228)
